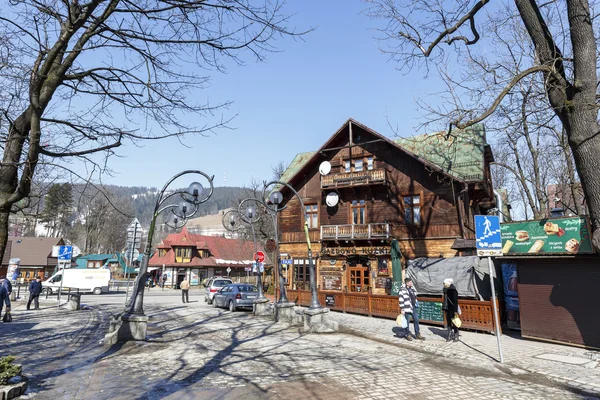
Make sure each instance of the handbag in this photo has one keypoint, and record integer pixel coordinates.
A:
(401, 321)
(456, 321)
(7, 317)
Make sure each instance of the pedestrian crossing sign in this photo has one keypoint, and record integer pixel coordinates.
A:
(488, 239)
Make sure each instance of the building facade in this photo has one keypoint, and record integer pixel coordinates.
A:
(35, 255)
(362, 190)
(196, 257)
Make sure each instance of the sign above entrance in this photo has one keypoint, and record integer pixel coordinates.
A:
(351, 251)
(547, 236)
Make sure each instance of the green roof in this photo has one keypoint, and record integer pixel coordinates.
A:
(462, 155)
(296, 165)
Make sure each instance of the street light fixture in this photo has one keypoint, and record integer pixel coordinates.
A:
(276, 198)
(194, 196)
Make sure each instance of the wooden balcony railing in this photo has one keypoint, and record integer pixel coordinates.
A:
(365, 231)
(347, 179)
(299, 237)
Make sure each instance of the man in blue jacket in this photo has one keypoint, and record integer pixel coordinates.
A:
(4, 299)
(35, 288)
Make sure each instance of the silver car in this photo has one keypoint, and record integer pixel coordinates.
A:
(213, 285)
(234, 296)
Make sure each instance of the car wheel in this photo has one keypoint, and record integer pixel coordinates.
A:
(46, 291)
(97, 291)
(214, 303)
(231, 306)
(209, 301)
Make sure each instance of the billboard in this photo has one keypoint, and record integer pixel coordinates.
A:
(565, 236)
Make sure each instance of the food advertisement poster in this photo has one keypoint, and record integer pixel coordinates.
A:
(548, 236)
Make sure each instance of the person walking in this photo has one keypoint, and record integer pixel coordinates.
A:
(4, 281)
(450, 306)
(35, 288)
(408, 307)
(4, 299)
(185, 289)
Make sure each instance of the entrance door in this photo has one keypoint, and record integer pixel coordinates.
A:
(180, 278)
(359, 279)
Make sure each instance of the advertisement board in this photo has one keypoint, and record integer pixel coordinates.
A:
(565, 236)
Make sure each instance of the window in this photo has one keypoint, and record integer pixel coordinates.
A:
(358, 164)
(301, 275)
(162, 252)
(358, 212)
(369, 163)
(183, 254)
(312, 214)
(412, 209)
(359, 279)
(347, 166)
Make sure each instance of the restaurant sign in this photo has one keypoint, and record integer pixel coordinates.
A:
(547, 236)
(350, 251)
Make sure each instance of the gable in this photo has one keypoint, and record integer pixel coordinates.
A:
(461, 156)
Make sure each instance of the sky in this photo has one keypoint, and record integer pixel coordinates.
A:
(293, 102)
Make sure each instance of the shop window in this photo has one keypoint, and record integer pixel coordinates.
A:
(301, 275)
(358, 212)
(312, 214)
(412, 209)
(359, 279)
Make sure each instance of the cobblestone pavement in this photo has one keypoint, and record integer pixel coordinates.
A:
(198, 352)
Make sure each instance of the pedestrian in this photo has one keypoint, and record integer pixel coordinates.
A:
(450, 306)
(7, 285)
(4, 299)
(408, 307)
(35, 288)
(185, 289)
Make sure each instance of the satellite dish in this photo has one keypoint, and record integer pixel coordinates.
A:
(325, 168)
(332, 199)
(76, 251)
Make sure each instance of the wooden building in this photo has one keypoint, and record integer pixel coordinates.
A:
(361, 190)
(35, 255)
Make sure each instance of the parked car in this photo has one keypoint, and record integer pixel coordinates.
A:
(213, 285)
(234, 296)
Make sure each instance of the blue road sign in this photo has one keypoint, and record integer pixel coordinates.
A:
(64, 253)
(287, 262)
(488, 239)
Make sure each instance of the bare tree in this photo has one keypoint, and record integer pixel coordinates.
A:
(562, 36)
(81, 78)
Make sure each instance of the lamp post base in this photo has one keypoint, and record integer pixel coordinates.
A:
(318, 321)
(284, 312)
(262, 307)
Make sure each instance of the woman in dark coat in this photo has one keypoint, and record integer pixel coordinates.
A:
(450, 306)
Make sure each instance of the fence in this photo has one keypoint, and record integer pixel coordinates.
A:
(476, 315)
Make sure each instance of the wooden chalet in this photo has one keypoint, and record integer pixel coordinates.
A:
(422, 191)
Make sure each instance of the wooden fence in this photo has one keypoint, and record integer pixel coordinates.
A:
(476, 315)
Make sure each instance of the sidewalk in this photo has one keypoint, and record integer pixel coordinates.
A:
(576, 367)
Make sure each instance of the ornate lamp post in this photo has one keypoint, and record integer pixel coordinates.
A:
(276, 198)
(134, 320)
(249, 215)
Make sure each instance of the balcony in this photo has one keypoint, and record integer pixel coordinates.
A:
(351, 232)
(349, 179)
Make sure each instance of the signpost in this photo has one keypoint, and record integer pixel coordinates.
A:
(64, 260)
(488, 242)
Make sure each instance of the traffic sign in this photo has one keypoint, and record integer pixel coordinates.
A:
(288, 262)
(248, 269)
(488, 239)
(259, 256)
(64, 253)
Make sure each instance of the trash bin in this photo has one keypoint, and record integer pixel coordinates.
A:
(74, 302)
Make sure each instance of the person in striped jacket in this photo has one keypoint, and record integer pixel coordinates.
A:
(408, 307)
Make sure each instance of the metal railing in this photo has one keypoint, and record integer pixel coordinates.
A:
(346, 179)
(363, 231)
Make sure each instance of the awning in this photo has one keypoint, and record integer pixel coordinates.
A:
(152, 268)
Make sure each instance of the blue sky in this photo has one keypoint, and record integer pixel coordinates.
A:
(291, 103)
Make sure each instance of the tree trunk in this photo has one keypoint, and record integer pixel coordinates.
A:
(4, 214)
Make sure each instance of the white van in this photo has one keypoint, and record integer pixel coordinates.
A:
(86, 280)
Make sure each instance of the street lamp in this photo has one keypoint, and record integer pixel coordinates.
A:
(193, 196)
(276, 198)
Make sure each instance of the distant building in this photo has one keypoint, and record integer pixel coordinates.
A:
(35, 254)
(197, 257)
(561, 202)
